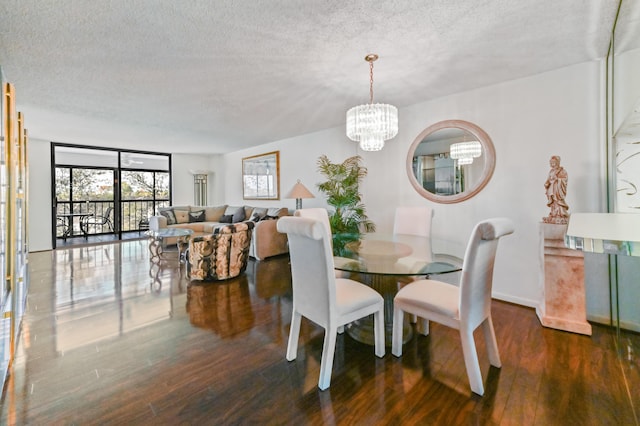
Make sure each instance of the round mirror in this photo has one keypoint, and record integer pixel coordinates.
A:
(450, 161)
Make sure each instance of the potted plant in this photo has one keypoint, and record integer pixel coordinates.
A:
(349, 217)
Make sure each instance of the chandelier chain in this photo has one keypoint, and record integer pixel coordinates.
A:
(371, 82)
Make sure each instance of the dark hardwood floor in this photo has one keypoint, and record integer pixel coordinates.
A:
(108, 340)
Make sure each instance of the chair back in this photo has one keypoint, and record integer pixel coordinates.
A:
(107, 214)
(477, 269)
(317, 213)
(313, 279)
(413, 221)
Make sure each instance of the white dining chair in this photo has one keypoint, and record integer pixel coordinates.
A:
(413, 221)
(322, 298)
(409, 220)
(463, 308)
(322, 215)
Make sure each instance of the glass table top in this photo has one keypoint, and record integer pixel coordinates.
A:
(169, 232)
(390, 254)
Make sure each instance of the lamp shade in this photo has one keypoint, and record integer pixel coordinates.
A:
(299, 191)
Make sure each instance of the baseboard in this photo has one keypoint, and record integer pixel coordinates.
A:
(516, 300)
(605, 320)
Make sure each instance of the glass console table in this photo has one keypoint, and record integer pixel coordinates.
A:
(607, 233)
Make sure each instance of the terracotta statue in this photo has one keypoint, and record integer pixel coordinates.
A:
(556, 188)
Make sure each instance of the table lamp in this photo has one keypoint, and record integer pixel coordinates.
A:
(299, 191)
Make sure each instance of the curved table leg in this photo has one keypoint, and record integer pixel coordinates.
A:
(155, 249)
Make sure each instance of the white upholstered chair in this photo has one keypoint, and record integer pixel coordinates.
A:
(463, 308)
(322, 298)
(318, 213)
(413, 221)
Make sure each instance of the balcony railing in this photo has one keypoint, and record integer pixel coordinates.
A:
(134, 215)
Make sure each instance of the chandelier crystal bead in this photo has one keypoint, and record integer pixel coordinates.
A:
(371, 124)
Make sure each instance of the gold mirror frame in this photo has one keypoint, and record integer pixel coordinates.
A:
(261, 177)
(489, 161)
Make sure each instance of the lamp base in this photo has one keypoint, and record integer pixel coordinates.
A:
(298, 203)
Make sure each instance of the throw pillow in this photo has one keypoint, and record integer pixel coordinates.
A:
(239, 215)
(182, 216)
(171, 217)
(197, 216)
(260, 211)
(267, 217)
(255, 217)
(226, 218)
(212, 214)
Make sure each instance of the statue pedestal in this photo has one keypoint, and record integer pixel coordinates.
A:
(562, 279)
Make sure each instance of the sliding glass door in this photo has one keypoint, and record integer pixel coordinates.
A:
(100, 191)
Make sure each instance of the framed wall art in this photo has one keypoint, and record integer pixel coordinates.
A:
(261, 177)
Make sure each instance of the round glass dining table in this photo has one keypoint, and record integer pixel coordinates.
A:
(385, 262)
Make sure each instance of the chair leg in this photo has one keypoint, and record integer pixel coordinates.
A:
(328, 351)
(396, 337)
(492, 344)
(378, 332)
(294, 333)
(471, 361)
(423, 326)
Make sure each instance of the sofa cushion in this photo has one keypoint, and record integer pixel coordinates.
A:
(231, 210)
(168, 213)
(194, 226)
(196, 216)
(248, 211)
(278, 211)
(182, 216)
(258, 213)
(213, 214)
(239, 216)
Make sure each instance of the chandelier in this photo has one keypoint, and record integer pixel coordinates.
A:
(372, 124)
(465, 152)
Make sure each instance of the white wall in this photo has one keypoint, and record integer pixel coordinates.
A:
(529, 120)
(183, 166)
(40, 204)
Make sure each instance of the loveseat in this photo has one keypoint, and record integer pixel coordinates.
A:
(266, 241)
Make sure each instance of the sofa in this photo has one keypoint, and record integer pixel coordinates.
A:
(266, 241)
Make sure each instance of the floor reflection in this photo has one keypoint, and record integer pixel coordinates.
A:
(222, 306)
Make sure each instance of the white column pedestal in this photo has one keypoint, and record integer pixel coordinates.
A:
(562, 279)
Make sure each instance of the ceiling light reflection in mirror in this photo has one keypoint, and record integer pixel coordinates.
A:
(450, 161)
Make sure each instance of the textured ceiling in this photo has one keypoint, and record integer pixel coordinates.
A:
(211, 77)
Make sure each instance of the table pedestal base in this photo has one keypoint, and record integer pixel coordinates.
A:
(362, 329)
